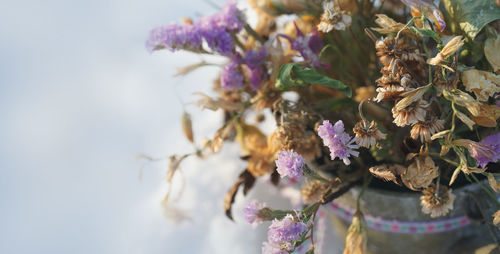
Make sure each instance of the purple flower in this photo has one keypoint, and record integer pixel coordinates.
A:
(289, 163)
(286, 230)
(231, 77)
(309, 46)
(492, 142)
(340, 143)
(254, 60)
(174, 37)
(251, 212)
(216, 30)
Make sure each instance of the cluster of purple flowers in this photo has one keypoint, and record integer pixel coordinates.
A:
(215, 30)
(340, 143)
(231, 77)
(251, 212)
(492, 142)
(281, 235)
(290, 163)
(252, 63)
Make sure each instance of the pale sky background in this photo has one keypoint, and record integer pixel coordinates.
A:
(80, 98)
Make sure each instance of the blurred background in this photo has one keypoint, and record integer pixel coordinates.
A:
(80, 98)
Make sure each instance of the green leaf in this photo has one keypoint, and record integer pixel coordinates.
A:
(286, 78)
(292, 75)
(426, 33)
(471, 15)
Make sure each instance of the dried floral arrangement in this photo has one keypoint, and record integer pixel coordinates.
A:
(389, 94)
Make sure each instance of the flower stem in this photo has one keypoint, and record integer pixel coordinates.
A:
(486, 190)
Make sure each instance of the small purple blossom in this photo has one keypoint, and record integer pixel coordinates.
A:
(286, 230)
(340, 143)
(289, 163)
(309, 46)
(251, 212)
(174, 37)
(492, 142)
(231, 77)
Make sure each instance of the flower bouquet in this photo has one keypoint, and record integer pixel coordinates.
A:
(367, 97)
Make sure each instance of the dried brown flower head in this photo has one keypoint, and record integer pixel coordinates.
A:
(294, 136)
(367, 133)
(355, 242)
(426, 129)
(441, 83)
(333, 18)
(437, 203)
(312, 191)
(420, 173)
(412, 114)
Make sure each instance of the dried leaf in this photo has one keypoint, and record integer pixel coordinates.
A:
(229, 197)
(215, 104)
(388, 172)
(248, 181)
(465, 119)
(411, 97)
(182, 71)
(187, 127)
(492, 51)
(493, 182)
(440, 134)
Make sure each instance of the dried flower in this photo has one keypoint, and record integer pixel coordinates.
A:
(465, 119)
(289, 163)
(463, 99)
(412, 114)
(286, 230)
(367, 134)
(491, 49)
(496, 218)
(340, 143)
(437, 203)
(251, 212)
(484, 84)
(387, 25)
(411, 96)
(493, 143)
(333, 18)
(419, 6)
(426, 129)
(420, 173)
(449, 49)
(312, 191)
(355, 242)
(364, 93)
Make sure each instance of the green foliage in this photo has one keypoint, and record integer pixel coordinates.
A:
(471, 15)
(426, 33)
(293, 75)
